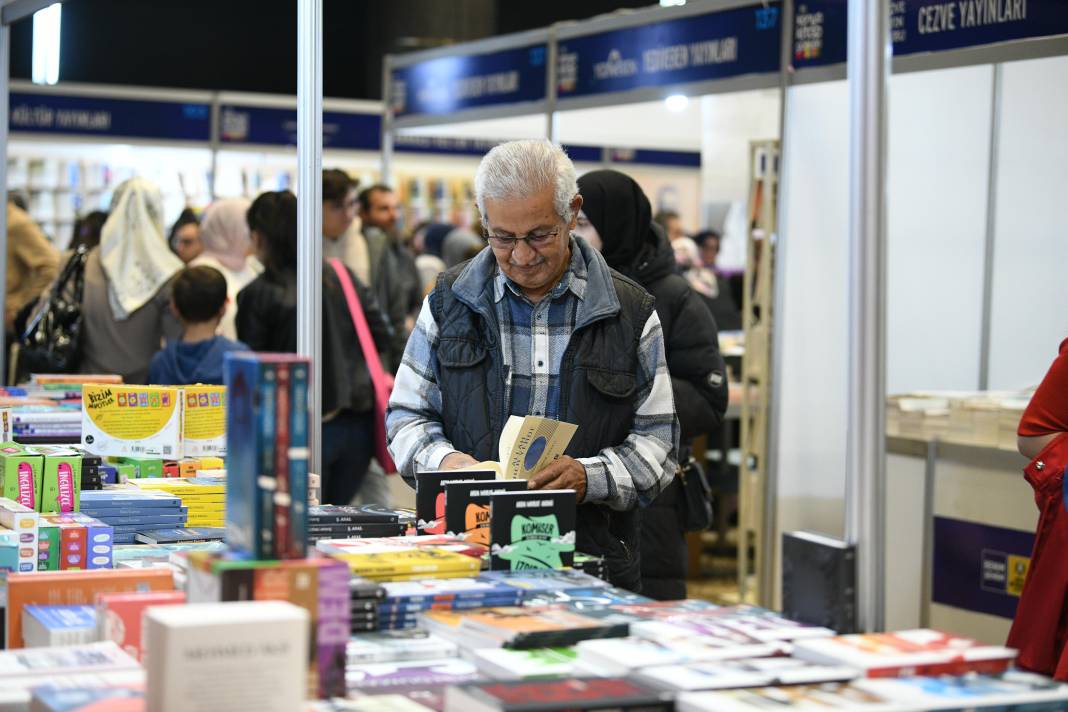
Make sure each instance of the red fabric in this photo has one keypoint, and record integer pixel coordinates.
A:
(1040, 630)
(1048, 410)
(381, 381)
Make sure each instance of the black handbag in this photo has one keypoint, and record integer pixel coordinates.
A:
(695, 500)
(51, 342)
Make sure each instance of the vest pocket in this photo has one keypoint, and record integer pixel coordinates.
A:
(460, 353)
(614, 384)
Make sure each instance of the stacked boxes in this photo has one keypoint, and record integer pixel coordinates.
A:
(61, 478)
(131, 421)
(204, 421)
(74, 541)
(267, 462)
(20, 469)
(19, 540)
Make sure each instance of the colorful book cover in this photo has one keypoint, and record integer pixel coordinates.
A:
(137, 421)
(119, 615)
(532, 530)
(581, 693)
(48, 547)
(413, 674)
(467, 511)
(298, 460)
(541, 663)
(113, 698)
(282, 495)
(203, 422)
(71, 588)
(521, 628)
(412, 562)
(126, 497)
(430, 496)
(20, 469)
(544, 580)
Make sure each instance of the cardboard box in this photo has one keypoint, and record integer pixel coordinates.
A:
(23, 522)
(204, 421)
(85, 543)
(61, 479)
(20, 469)
(132, 421)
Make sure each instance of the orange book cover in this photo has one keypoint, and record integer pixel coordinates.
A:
(527, 620)
(67, 588)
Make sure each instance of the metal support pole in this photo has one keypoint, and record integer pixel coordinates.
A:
(214, 143)
(309, 207)
(550, 86)
(991, 230)
(869, 63)
(387, 120)
(5, 114)
(766, 573)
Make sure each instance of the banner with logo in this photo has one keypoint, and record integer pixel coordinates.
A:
(979, 567)
(719, 45)
(102, 116)
(449, 84)
(270, 126)
(820, 26)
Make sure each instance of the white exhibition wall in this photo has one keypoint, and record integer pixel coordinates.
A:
(1030, 307)
(729, 123)
(938, 159)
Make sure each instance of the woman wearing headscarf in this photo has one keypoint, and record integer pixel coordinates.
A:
(126, 312)
(616, 218)
(224, 234)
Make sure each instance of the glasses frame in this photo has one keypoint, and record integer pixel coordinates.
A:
(534, 242)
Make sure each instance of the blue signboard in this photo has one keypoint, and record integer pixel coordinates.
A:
(449, 84)
(926, 26)
(978, 567)
(267, 126)
(692, 49)
(107, 117)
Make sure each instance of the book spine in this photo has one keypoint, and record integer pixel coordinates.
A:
(265, 481)
(333, 629)
(330, 519)
(282, 495)
(298, 462)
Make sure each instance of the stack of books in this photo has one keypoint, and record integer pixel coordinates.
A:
(329, 521)
(409, 564)
(130, 510)
(589, 564)
(394, 645)
(518, 627)
(364, 599)
(203, 497)
(444, 542)
(38, 423)
(410, 677)
(405, 600)
(73, 541)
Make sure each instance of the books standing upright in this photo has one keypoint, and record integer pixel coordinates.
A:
(267, 465)
(532, 530)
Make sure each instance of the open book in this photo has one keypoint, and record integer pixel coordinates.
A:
(527, 445)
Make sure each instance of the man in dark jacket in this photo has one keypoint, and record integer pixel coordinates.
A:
(616, 216)
(537, 324)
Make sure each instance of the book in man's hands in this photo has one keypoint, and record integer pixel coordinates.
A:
(527, 444)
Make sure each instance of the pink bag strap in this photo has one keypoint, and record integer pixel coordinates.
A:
(359, 321)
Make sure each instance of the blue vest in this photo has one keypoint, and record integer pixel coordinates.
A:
(598, 385)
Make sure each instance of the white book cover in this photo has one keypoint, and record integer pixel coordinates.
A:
(226, 656)
(63, 661)
(540, 663)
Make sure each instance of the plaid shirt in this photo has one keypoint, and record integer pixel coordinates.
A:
(533, 340)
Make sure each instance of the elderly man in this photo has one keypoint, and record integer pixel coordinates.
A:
(537, 324)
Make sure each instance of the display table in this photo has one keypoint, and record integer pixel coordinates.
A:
(960, 526)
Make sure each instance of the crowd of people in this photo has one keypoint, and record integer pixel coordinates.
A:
(165, 306)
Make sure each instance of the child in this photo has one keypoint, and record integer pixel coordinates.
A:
(198, 299)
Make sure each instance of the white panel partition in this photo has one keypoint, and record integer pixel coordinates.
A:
(939, 138)
(812, 387)
(1030, 305)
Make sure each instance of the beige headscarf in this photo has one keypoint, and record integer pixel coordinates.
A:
(133, 250)
(224, 232)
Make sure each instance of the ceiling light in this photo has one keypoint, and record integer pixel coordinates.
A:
(46, 31)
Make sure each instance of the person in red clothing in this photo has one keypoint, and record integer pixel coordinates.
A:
(1040, 630)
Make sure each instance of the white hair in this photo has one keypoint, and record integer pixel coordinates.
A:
(519, 168)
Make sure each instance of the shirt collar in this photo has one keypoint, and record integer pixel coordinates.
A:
(574, 279)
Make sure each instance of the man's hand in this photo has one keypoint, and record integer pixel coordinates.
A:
(456, 460)
(563, 473)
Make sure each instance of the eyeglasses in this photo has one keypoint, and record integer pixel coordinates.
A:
(533, 241)
(344, 204)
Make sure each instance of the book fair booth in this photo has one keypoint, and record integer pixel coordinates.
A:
(885, 183)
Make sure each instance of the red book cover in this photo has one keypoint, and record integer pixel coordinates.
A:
(72, 543)
(282, 494)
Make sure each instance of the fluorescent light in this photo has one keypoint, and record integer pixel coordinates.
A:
(46, 31)
(677, 103)
(670, 3)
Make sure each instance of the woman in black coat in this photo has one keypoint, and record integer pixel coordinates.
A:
(617, 219)
(267, 321)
